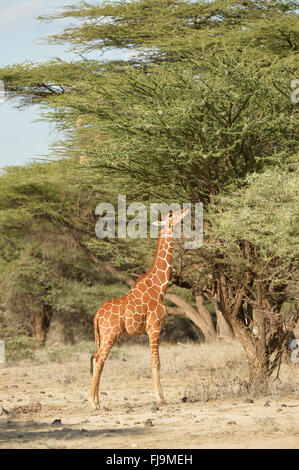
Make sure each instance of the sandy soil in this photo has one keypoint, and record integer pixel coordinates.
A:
(35, 394)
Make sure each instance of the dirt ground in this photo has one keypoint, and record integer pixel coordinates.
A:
(43, 403)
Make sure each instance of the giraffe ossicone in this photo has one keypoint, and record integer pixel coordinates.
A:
(140, 311)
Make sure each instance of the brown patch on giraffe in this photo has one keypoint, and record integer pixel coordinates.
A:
(146, 297)
(148, 283)
(152, 305)
(168, 272)
(142, 287)
(105, 324)
(138, 317)
(114, 318)
(156, 280)
(162, 264)
(153, 293)
(162, 276)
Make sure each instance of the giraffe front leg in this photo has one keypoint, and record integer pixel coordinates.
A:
(155, 364)
(159, 398)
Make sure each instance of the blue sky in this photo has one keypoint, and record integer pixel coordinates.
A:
(22, 139)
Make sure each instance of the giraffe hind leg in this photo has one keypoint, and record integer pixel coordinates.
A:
(96, 343)
(98, 362)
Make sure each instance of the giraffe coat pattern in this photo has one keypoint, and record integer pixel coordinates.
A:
(140, 311)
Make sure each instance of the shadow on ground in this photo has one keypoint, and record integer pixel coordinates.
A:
(29, 431)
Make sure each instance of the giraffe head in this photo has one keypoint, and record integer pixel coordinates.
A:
(168, 221)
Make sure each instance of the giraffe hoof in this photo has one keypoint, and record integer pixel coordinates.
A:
(161, 402)
(93, 405)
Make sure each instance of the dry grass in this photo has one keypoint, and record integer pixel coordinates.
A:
(205, 387)
(209, 371)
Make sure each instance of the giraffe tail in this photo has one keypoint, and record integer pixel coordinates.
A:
(96, 341)
(91, 364)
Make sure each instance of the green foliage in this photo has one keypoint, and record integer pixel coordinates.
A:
(118, 354)
(183, 131)
(265, 214)
(262, 216)
(203, 115)
(59, 354)
(166, 29)
(20, 348)
(45, 269)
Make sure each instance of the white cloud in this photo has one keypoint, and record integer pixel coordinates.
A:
(18, 14)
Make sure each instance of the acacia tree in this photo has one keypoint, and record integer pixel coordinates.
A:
(53, 272)
(205, 104)
(251, 248)
(256, 232)
(46, 270)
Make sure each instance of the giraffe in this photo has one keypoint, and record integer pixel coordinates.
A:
(140, 311)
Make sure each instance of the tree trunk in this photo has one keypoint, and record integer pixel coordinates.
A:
(41, 323)
(39, 330)
(223, 328)
(206, 318)
(193, 314)
(258, 376)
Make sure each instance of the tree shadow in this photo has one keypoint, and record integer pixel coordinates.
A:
(30, 431)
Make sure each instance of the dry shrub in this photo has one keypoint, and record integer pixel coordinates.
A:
(67, 375)
(223, 373)
(219, 383)
(287, 383)
(118, 354)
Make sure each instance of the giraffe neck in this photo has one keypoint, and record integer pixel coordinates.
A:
(160, 270)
